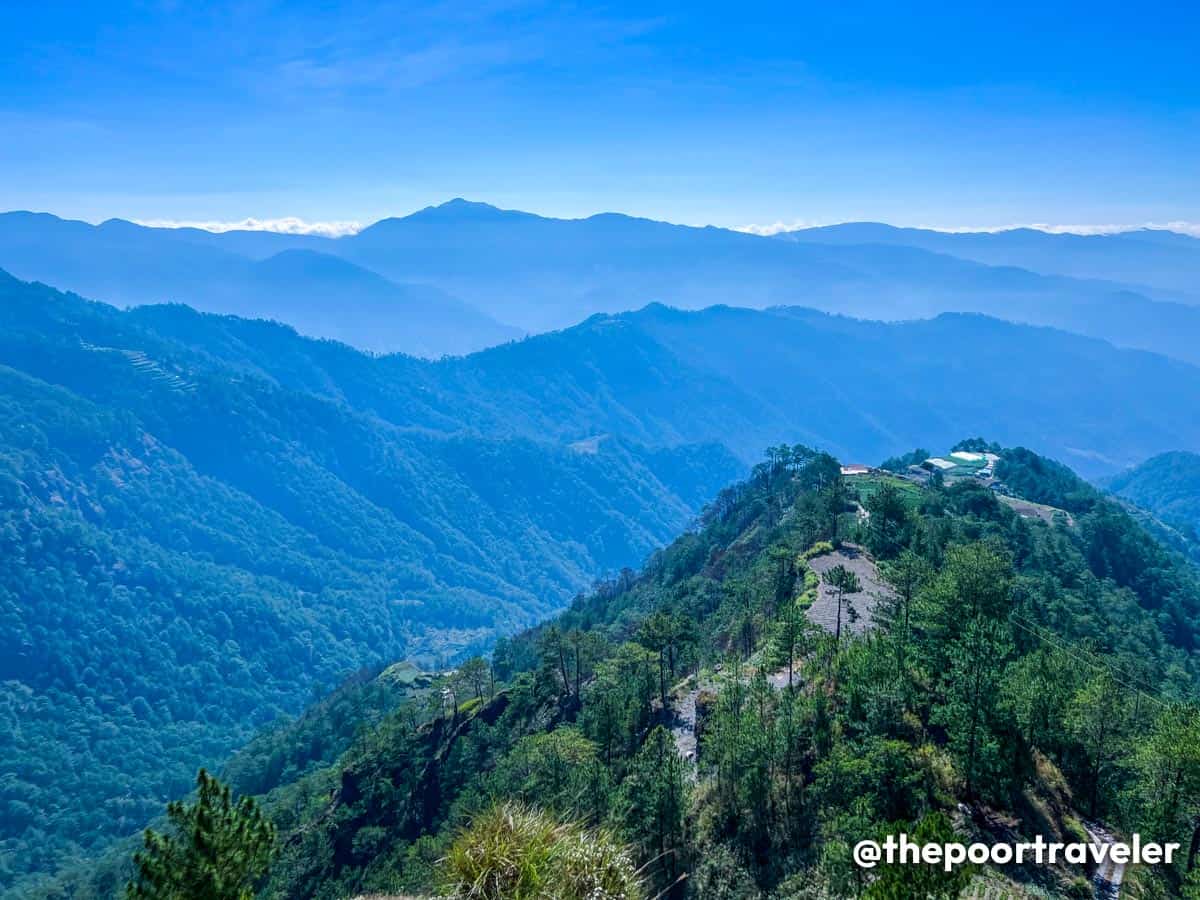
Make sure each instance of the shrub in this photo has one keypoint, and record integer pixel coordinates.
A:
(820, 548)
(513, 852)
(1079, 888)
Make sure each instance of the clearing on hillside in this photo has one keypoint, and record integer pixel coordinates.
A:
(857, 608)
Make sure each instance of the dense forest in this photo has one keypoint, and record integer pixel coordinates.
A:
(190, 552)
(706, 733)
(1167, 485)
(208, 521)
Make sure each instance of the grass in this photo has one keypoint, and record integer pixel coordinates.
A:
(820, 548)
(469, 706)
(514, 852)
(868, 485)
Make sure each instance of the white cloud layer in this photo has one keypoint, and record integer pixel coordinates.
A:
(774, 228)
(1188, 228)
(1182, 227)
(295, 225)
(285, 225)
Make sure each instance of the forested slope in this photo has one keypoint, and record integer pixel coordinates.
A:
(1024, 677)
(207, 517)
(1167, 485)
(190, 550)
(749, 379)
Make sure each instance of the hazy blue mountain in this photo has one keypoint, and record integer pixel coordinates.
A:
(318, 294)
(748, 379)
(1165, 261)
(542, 273)
(116, 261)
(1167, 485)
(863, 390)
(252, 244)
(538, 273)
(325, 296)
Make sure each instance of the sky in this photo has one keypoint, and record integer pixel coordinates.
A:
(761, 116)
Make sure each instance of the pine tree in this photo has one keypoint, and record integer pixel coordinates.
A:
(1166, 788)
(1097, 718)
(886, 521)
(474, 675)
(653, 800)
(970, 709)
(908, 574)
(843, 581)
(217, 849)
(966, 638)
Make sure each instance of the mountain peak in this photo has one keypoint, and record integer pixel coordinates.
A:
(461, 210)
(115, 224)
(453, 212)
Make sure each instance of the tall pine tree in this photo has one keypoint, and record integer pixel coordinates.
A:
(216, 850)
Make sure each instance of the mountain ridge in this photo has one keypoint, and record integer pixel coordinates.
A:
(1161, 259)
(1167, 485)
(538, 273)
(128, 264)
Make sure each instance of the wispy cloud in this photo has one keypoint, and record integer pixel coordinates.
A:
(285, 225)
(1181, 227)
(385, 48)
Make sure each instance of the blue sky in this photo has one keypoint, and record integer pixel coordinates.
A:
(951, 115)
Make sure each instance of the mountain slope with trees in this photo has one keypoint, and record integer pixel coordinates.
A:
(748, 379)
(189, 552)
(206, 518)
(1167, 485)
(1026, 677)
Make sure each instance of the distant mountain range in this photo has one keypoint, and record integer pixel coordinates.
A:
(1163, 263)
(318, 293)
(443, 279)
